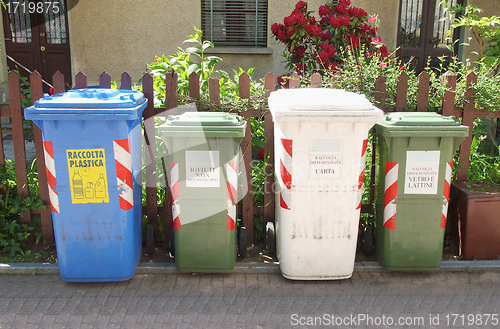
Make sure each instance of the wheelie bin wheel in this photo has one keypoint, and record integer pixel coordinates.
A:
(150, 239)
(171, 243)
(270, 238)
(242, 242)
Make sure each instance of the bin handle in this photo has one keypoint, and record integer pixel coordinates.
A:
(129, 96)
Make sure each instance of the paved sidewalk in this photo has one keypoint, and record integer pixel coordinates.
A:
(254, 297)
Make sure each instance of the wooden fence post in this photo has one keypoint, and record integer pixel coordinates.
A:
(3, 189)
(171, 101)
(213, 91)
(450, 78)
(294, 80)
(401, 89)
(423, 92)
(194, 86)
(150, 154)
(104, 80)
(468, 120)
(58, 83)
(16, 115)
(244, 85)
(126, 81)
(80, 81)
(246, 146)
(269, 205)
(380, 92)
(171, 89)
(45, 214)
(316, 80)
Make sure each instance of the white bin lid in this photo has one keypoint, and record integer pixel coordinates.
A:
(317, 99)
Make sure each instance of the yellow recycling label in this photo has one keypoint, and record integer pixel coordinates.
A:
(87, 175)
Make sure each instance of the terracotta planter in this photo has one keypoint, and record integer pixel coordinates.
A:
(475, 219)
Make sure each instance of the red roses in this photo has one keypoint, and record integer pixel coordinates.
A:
(313, 45)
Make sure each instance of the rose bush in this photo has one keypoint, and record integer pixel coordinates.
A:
(317, 44)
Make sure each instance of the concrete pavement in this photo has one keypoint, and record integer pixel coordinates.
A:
(254, 296)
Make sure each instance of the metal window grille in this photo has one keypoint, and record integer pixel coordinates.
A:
(411, 23)
(411, 19)
(55, 25)
(240, 23)
(442, 25)
(20, 24)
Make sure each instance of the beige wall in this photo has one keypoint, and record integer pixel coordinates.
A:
(125, 35)
(4, 91)
(387, 12)
(131, 34)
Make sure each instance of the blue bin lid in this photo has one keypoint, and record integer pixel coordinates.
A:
(88, 104)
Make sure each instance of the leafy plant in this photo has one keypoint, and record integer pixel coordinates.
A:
(360, 71)
(184, 62)
(486, 31)
(484, 158)
(14, 234)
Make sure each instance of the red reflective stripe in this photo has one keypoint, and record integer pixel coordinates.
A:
(390, 194)
(283, 203)
(231, 193)
(361, 180)
(51, 180)
(124, 143)
(391, 223)
(124, 174)
(231, 225)
(389, 166)
(287, 145)
(177, 223)
(443, 221)
(365, 146)
(48, 148)
(124, 204)
(285, 176)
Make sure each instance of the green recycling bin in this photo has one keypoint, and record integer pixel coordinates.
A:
(204, 149)
(415, 159)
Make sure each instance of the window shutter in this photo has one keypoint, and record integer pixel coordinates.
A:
(235, 23)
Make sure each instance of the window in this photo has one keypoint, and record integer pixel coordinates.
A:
(235, 23)
(55, 24)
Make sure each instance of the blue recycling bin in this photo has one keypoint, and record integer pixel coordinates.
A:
(92, 145)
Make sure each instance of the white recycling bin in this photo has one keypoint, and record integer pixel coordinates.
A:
(320, 138)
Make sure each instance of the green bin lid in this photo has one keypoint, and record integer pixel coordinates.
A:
(209, 124)
(420, 124)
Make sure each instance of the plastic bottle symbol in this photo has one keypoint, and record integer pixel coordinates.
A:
(89, 191)
(100, 187)
(77, 185)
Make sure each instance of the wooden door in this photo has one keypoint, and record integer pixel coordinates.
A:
(422, 32)
(37, 37)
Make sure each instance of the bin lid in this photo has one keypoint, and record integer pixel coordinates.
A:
(317, 99)
(90, 103)
(410, 124)
(211, 124)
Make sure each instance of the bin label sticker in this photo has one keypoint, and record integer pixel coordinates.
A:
(422, 172)
(202, 169)
(87, 175)
(325, 159)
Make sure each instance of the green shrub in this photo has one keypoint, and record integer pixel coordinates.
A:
(14, 234)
